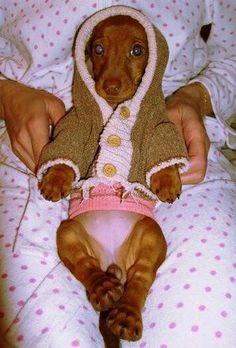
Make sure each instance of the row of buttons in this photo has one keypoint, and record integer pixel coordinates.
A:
(114, 140)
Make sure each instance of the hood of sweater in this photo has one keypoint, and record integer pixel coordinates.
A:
(150, 85)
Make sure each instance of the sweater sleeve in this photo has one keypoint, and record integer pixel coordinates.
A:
(74, 143)
(166, 148)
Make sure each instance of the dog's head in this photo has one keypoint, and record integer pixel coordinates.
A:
(118, 51)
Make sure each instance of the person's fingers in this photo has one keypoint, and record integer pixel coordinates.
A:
(39, 142)
(28, 140)
(38, 135)
(28, 113)
(198, 146)
(185, 116)
(55, 109)
(196, 171)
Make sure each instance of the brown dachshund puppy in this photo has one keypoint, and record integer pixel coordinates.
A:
(115, 254)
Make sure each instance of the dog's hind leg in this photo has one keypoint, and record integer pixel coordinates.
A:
(144, 251)
(81, 253)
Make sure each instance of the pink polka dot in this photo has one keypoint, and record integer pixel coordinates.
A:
(228, 295)
(208, 289)
(56, 290)
(202, 308)
(172, 325)
(21, 303)
(224, 314)
(187, 286)
(75, 343)
(180, 305)
(39, 311)
(152, 325)
(194, 328)
(218, 334)
(44, 330)
(213, 272)
(192, 269)
(50, 276)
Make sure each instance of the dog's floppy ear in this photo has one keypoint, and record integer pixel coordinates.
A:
(88, 60)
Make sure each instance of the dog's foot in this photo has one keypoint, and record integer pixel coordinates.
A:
(57, 182)
(115, 271)
(104, 291)
(125, 322)
(167, 184)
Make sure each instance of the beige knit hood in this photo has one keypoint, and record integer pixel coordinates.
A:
(147, 142)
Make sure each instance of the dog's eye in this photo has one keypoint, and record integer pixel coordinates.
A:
(137, 50)
(99, 50)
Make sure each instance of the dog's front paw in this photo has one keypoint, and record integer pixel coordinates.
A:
(104, 291)
(167, 184)
(57, 182)
(125, 322)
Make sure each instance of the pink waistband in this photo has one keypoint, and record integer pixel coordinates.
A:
(104, 197)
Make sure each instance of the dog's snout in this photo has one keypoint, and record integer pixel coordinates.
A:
(112, 86)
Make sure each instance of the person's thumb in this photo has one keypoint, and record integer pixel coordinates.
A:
(56, 110)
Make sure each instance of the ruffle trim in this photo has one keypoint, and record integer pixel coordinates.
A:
(182, 162)
(43, 169)
(128, 188)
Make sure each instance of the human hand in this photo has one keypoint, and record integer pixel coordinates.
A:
(184, 110)
(28, 113)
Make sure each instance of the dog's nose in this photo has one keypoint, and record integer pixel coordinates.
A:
(112, 86)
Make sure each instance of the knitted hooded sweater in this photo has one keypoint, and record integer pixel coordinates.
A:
(126, 145)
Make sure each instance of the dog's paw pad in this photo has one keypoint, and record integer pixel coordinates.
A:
(126, 323)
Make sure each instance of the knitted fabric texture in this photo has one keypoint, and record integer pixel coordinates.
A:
(103, 197)
(149, 142)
